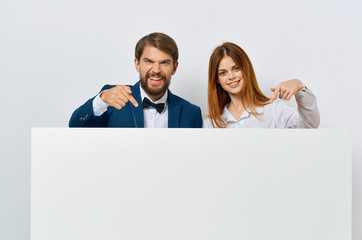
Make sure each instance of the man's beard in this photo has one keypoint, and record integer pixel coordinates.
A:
(155, 92)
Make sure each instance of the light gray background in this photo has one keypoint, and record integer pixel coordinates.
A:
(54, 55)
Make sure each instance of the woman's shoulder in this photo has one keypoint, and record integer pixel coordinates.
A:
(207, 123)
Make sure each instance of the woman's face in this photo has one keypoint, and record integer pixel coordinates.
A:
(229, 76)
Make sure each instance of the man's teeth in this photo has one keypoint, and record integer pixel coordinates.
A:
(155, 79)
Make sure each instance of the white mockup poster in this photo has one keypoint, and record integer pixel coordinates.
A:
(181, 184)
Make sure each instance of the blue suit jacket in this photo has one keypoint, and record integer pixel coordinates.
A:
(181, 113)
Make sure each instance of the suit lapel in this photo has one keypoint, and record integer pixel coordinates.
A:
(137, 112)
(174, 111)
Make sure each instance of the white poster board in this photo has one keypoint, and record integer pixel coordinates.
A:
(190, 184)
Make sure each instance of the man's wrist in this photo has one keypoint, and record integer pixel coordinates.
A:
(99, 106)
(102, 98)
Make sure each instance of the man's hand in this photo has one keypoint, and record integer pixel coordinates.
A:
(118, 96)
(286, 89)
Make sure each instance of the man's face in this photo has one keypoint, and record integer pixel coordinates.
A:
(156, 68)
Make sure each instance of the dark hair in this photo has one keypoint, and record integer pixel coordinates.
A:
(159, 40)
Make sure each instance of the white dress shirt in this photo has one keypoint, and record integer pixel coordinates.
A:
(277, 114)
(152, 119)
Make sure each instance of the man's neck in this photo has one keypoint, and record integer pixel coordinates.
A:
(153, 97)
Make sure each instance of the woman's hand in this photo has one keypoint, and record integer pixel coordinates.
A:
(286, 89)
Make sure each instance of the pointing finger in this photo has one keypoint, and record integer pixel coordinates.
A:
(275, 95)
(126, 93)
(132, 100)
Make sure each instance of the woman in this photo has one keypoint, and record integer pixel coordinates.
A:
(235, 99)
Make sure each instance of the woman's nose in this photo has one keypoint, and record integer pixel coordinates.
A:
(231, 75)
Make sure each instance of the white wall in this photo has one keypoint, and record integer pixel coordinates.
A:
(54, 55)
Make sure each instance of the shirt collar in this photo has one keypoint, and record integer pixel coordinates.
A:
(228, 117)
(163, 99)
(259, 110)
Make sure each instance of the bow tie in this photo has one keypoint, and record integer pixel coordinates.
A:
(158, 106)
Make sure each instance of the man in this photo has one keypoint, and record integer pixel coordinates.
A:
(148, 103)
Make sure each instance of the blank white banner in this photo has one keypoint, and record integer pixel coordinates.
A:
(185, 184)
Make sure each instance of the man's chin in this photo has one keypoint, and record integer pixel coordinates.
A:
(153, 87)
(155, 91)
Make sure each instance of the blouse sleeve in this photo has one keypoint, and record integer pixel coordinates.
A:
(305, 116)
(307, 108)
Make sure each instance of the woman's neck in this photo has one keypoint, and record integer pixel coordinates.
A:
(236, 107)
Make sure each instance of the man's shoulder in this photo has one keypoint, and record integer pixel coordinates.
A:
(176, 100)
(109, 86)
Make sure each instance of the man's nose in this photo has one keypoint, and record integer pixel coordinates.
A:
(156, 68)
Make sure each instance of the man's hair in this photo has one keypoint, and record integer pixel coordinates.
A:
(161, 41)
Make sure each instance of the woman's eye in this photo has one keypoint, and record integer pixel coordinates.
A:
(236, 68)
(221, 73)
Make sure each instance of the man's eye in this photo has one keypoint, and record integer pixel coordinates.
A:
(165, 63)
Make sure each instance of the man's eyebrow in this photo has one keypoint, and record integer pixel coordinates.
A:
(165, 60)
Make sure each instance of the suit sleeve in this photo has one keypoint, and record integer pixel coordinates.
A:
(84, 115)
(199, 120)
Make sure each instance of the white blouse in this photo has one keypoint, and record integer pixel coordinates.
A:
(277, 114)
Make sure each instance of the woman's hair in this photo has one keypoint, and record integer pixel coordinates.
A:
(251, 94)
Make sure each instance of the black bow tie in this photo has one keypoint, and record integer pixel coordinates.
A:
(158, 106)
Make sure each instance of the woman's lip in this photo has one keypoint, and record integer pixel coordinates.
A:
(236, 83)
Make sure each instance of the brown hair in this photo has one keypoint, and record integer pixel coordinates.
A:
(251, 94)
(160, 41)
